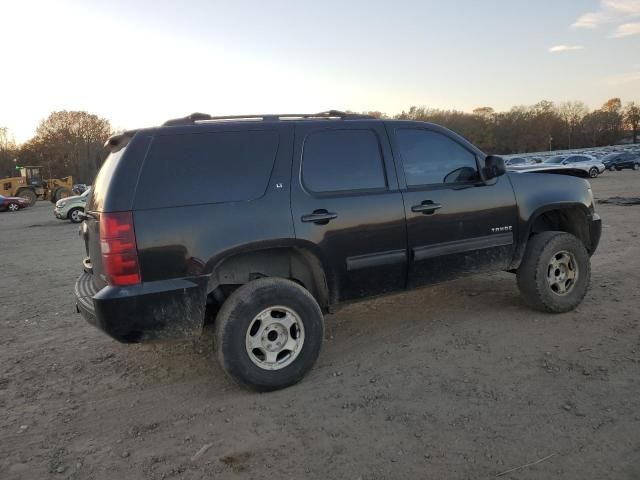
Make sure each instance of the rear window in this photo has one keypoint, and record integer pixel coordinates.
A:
(199, 168)
(99, 188)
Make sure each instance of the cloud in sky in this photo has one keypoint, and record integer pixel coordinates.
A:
(627, 29)
(611, 11)
(564, 48)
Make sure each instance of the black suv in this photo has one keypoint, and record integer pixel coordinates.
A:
(620, 161)
(272, 220)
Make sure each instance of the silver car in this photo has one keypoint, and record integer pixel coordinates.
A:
(72, 208)
(588, 163)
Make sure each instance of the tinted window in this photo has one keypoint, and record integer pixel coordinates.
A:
(339, 160)
(554, 160)
(101, 182)
(432, 158)
(197, 168)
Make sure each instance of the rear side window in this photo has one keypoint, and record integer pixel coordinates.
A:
(342, 160)
(198, 168)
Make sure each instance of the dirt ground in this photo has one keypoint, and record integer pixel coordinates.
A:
(459, 381)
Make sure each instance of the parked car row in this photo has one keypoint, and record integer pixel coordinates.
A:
(592, 162)
(70, 208)
(581, 165)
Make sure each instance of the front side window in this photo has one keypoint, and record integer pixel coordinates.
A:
(431, 158)
(342, 160)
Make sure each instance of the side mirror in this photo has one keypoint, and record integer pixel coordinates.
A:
(493, 167)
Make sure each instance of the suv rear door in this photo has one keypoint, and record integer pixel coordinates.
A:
(456, 223)
(346, 204)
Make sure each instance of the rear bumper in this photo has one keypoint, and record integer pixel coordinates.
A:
(595, 232)
(151, 310)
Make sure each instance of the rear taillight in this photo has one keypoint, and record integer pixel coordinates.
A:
(118, 247)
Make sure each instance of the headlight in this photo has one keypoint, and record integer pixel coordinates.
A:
(61, 204)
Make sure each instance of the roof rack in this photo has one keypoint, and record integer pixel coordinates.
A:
(196, 118)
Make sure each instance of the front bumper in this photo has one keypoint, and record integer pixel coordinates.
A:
(595, 232)
(150, 310)
(60, 214)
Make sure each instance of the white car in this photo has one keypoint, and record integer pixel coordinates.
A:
(71, 208)
(588, 163)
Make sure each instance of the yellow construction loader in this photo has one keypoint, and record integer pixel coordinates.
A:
(31, 186)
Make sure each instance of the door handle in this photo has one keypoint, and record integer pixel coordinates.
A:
(427, 207)
(319, 217)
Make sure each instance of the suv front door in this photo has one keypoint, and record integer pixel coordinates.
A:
(346, 205)
(457, 223)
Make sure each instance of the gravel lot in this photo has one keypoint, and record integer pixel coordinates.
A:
(458, 381)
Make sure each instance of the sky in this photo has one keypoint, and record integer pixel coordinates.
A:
(139, 63)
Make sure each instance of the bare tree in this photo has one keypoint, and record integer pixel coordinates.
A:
(8, 151)
(632, 119)
(69, 143)
(572, 114)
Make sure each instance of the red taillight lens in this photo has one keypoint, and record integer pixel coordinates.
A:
(119, 250)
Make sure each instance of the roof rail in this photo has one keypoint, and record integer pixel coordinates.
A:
(196, 118)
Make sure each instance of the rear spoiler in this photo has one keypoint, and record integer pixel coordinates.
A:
(119, 141)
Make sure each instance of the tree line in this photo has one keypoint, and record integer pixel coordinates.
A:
(543, 126)
(72, 142)
(65, 143)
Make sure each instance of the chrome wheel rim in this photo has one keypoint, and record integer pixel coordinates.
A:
(75, 215)
(593, 172)
(562, 273)
(13, 207)
(274, 338)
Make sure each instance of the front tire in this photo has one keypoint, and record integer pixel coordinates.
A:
(555, 272)
(75, 215)
(29, 195)
(269, 333)
(593, 172)
(13, 207)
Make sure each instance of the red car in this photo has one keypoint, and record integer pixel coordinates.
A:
(12, 204)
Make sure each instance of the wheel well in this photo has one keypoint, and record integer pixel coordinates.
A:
(571, 220)
(297, 264)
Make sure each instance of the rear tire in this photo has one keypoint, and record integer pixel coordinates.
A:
(542, 265)
(593, 172)
(635, 166)
(269, 333)
(74, 215)
(29, 195)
